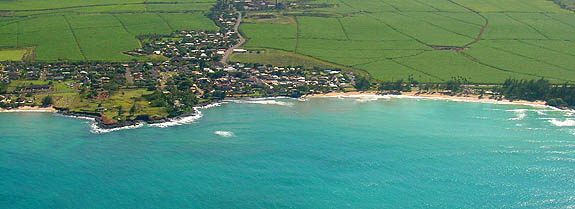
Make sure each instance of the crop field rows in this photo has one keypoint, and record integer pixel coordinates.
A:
(433, 40)
(94, 30)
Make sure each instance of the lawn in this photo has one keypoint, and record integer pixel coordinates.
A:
(11, 54)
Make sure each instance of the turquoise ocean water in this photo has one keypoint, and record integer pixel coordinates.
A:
(284, 153)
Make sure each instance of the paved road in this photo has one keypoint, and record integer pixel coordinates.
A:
(242, 40)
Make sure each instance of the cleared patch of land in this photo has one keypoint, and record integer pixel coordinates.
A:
(66, 30)
(283, 58)
(12, 54)
(433, 40)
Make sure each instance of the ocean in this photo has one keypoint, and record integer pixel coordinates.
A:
(357, 152)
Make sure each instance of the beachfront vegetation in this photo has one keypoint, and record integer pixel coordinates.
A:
(533, 90)
(66, 30)
(484, 41)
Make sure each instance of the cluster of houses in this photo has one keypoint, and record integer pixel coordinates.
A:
(193, 56)
(234, 80)
(262, 5)
(199, 46)
(256, 5)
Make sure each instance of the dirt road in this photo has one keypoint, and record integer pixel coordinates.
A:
(242, 40)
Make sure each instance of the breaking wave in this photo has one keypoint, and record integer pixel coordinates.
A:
(264, 102)
(185, 120)
(97, 130)
(94, 126)
(368, 98)
(224, 133)
(172, 122)
(519, 114)
(562, 123)
(178, 121)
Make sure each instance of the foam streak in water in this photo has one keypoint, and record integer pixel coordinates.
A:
(264, 102)
(519, 114)
(224, 133)
(562, 123)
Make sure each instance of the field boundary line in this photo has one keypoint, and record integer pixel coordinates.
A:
(165, 21)
(416, 70)
(330, 39)
(531, 58)
(390, 58)
(428, 5)
(546, 48)
(17, 34)
(343, 29)
(122, 23)
(478, 37)
(17, 20)
(473, 59)
(528, 25)
(558, 20)
(297, 32)
(316, 59)
(391, 5)
(346, 4)
(101, 5)
(525, 39)
(401, 32)
(378, 49)
(456, 19)
(75, 37)
(438, 26)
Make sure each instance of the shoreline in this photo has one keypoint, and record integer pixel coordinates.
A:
(99, 127)
(24, 109)
(436, 96)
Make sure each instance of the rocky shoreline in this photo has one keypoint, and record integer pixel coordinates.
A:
(105, 126)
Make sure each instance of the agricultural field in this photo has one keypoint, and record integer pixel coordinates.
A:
(10, 54)
(93, 30)
(433, 40)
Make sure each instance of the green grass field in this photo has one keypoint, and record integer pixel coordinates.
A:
(66, 30)
(10, 54)
(393, 39)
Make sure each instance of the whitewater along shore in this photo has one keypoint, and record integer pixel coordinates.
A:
(98, 122)
(102, 125)
(438, 96)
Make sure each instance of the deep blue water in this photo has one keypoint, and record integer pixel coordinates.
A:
(321, 153)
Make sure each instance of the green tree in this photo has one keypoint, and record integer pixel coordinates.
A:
(362, 84)
(47, 101)
(133, 109)
(120, 110)
(3, 88)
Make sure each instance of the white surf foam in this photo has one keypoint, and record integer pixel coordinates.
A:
(178, 121)
(519, 114)
(264, 102)
(224, 133)
(97, 130)
(185, 120)
(460, 100)
(302, 99)
(77, 117)
(562, 123)
(369, 98)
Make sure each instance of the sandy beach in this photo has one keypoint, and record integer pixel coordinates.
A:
(414, 94)
(30, 109)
